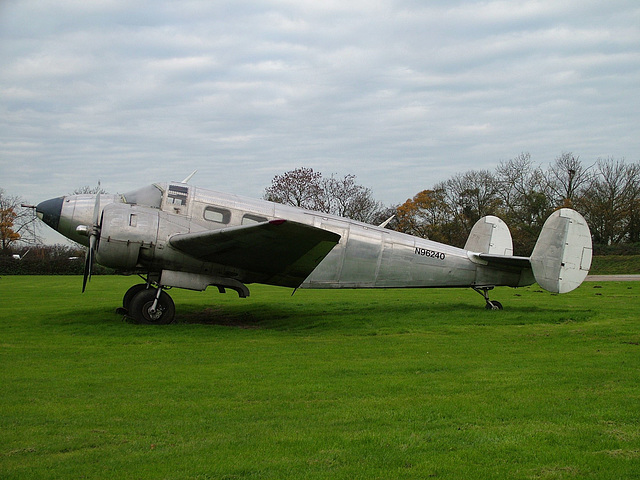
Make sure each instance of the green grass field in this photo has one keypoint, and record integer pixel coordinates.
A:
(322, 385)
(615, 264)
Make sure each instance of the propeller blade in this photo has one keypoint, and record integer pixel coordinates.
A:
(88, 263)
(94, 234)
(96, 209)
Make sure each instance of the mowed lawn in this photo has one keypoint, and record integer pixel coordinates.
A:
(324, 384)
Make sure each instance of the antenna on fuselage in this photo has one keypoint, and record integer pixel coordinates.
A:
(186, 180)
(386, 222)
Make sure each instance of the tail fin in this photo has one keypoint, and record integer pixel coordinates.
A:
(490, 235)
(562, 256)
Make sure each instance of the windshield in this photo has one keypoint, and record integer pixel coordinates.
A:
(149, 196)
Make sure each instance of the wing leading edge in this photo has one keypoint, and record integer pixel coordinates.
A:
(278, 252)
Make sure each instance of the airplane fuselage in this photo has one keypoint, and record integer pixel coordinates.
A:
(137, 228)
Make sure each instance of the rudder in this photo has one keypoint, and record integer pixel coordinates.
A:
(562, 256)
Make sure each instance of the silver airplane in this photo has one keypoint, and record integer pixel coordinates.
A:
(177, 235)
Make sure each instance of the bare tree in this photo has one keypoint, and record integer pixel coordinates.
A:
(344, 197)
(526, 202)
(89, 190)
(611, 202)
(17, 223)
(517, 180)
(301, 187)
(567, 179)
(472, 195)
(305, 188)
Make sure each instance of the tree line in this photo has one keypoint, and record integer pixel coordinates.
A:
(523, 194)
(47, 260)
(606, 193)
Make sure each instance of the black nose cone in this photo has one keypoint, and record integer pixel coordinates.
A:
(49, 211)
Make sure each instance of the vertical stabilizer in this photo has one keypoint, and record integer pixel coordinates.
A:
(562, 256)
(490, 235)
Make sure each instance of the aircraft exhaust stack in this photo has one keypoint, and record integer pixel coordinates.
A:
(562, 256)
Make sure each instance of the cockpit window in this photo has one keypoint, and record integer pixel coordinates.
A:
(149, 196)
(177, 195)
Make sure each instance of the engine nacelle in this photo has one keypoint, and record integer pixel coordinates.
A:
(124, 230)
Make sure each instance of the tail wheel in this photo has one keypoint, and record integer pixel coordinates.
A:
(142, 308)
(493, 305)
(490, 304)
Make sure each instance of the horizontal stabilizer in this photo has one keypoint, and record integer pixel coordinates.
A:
(278, 252)
(504, 260)
(562, 256)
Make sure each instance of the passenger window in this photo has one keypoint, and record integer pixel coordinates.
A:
(218, 215)
(249, 219)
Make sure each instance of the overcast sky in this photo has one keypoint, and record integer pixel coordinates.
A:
(401, 93)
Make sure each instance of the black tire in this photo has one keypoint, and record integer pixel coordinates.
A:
(126, 300)
(142, 302)
(493, 305)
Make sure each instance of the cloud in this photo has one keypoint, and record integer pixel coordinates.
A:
(401, 93)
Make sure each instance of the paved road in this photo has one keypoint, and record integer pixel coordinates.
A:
(612, 278)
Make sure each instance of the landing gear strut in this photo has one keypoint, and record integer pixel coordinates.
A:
(148, 305)
(491, 304)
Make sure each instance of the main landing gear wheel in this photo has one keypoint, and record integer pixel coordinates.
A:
(145, 309)
(126, 300)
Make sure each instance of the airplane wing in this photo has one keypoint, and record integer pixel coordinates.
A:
(278, 252)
